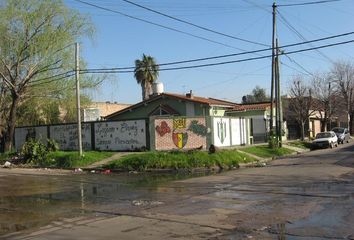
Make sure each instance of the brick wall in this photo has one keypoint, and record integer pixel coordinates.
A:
(180, 133)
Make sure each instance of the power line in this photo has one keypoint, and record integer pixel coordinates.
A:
(307, 3)
(157, 24)
(195, 25)
(226, 55)
(226, 62)
(293, 29)
(53, 79)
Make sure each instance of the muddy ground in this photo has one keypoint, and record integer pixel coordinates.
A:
(308, 196)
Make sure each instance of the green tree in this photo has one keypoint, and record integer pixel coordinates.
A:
(34, 40)
(258, 95)
(146, 72)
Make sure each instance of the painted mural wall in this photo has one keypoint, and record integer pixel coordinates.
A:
(25, 133)
(180, 133)
(119, 136)
(222, 136)
(66, 136)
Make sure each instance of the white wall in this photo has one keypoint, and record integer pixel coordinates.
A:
(120, 135)
(239, 131)
(222, 136)
(21, 134)
(66, 136)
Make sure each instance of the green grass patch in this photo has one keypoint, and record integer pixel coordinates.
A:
(265, 152)
(225, 159)
(300, 144)
(72, 159)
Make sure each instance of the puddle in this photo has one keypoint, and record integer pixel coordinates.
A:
(29, 201)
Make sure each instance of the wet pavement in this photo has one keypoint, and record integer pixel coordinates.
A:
(308, 196)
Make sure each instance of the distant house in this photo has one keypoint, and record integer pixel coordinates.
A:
(99, 110)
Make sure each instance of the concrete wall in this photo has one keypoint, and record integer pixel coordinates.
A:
(227, 131)
(110, 136)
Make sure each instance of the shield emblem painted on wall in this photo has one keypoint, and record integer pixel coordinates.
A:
(221, 131)
(180, 139)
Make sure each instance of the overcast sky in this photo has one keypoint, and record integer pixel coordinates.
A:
(120, 40)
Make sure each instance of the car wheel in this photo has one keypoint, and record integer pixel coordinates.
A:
(331, 145)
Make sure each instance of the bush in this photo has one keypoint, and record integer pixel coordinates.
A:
(52, 146)
(35, 152)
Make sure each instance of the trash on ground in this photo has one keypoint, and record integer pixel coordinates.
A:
(7, 164)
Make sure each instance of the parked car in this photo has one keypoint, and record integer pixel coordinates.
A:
(343, 134)
(325, 140)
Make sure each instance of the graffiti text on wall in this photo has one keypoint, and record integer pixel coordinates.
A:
(122, 135)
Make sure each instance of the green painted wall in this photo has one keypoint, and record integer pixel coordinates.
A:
(217, 111)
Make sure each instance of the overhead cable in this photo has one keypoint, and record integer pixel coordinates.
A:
(307, 3)
(225, 62)
(229, 55)
(157, 24)
(195, 25)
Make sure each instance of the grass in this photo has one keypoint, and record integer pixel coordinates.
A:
(225, 159)
(72, 159)
(300, 144)
(265, 152)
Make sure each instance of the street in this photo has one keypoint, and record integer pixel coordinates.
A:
(307, 196)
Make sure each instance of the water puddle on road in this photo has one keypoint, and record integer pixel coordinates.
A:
(31, 201)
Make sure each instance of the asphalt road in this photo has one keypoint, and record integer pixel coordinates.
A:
(308, 196)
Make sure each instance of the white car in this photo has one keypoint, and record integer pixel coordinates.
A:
(325, 140)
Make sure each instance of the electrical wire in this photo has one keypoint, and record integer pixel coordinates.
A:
(226, 62)
(50, 81)
(195, 25)
(307, 3)
(158, 25)
(226, 55)
(286, 22)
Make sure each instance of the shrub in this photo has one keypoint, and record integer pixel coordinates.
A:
(35, 152)
(52, 146)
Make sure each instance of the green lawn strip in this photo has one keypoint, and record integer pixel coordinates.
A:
(72, 159)
(265, 152)
(179, 160)
(300, 144)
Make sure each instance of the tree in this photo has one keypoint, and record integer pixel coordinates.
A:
(146, 72)
(343, 75)
(325, 98)
(258, 95)
(300, 103)
(34, 39)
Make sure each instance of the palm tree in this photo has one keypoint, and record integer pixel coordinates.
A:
(146, 72)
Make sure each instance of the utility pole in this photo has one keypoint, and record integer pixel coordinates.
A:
(273, 70)
(77, 73)
(279, 111)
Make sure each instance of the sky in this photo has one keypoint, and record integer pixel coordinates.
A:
(120, 40)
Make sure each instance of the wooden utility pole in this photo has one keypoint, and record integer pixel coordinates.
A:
(273, 70)
(279, 111)
(77, 73)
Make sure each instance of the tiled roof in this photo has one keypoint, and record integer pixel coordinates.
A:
(196, 99)
(251, 106)
(209, 101)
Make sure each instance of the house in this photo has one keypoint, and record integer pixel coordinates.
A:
(171, 104)
(187, 121)
(99, 110)
(259, 115)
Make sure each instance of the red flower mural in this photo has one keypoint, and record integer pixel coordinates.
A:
(163, 129)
